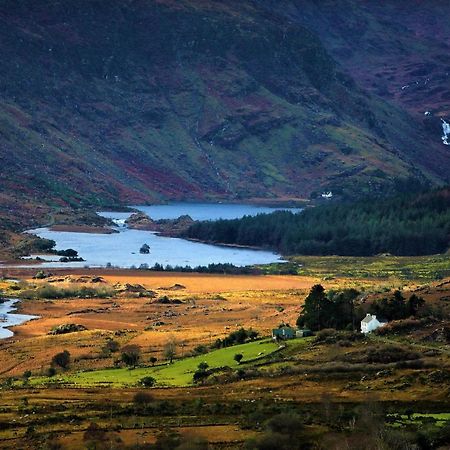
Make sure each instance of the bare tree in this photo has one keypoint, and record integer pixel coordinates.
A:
(170, 349)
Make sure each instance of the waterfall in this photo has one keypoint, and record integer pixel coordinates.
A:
(446, 132)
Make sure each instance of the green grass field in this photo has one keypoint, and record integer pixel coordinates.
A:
(177, 374)
(420, 268)
(439, 419)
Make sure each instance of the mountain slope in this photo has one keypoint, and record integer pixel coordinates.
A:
(399, 50)
(135, 101)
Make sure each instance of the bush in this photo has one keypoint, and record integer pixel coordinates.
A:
(62, 359)
(111, 346)
(390, 354)
(67, 328)
(76, 291)
(51, 372)
(142, 398)
(400, 326)
(147, 381)
(200, 350)
(286, 423)
(332, 336)
(153, 360)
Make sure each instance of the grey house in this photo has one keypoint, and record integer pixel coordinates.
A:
(283, 333)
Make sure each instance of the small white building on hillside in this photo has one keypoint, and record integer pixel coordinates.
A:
(370, 323)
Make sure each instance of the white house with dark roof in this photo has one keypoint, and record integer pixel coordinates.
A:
(370, 323)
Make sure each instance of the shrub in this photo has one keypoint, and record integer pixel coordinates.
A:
(51, 371)
(153, 360)
(147, 381)
(200, 350)
(94, 433)
(62, 359)
(285, 423)
(332, 336)
(76, 291)
(111, 346)
(200, 376)
(142, 398)
(388, 354)
(400, 326)
(67, 328)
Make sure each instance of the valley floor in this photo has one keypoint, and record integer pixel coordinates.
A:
(326, 383)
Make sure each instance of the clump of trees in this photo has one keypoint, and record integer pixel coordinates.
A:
(131, 355)
(332, 310)
(201, 373)
(225, 268)
(397, 307)
(237, 337)
(341, 311)
(402, 225)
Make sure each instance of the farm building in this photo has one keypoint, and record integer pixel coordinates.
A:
(283, 333)
(289, 333)
(370, 323)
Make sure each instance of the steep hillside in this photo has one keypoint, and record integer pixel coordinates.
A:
(398, 49)
(132, 101)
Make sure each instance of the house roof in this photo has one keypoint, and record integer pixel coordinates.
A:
(283, 330)
(367, 319)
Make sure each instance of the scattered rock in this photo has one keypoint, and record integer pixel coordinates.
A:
(128, 288)
(88, 311)
(384, 373)
(168, 301)
(74, 279)
(145, 249)
(174, 287)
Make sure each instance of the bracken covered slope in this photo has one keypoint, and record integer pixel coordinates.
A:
(133, 101)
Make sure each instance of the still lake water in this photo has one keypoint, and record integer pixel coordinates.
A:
(122, 249)
(8, 318)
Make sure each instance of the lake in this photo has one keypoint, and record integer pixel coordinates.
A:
(122, 249)
(8, 318)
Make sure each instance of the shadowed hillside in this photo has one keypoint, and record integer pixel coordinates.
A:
(133, 101)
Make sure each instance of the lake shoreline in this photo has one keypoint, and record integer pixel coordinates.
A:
(11, 311)
(120, 245)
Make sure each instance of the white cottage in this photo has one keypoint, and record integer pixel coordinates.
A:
(370, 323)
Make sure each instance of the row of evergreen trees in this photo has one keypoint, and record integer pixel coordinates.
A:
(416, 224)
(342, 310)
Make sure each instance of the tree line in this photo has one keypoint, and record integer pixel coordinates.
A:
(407, 224)
(342, 310)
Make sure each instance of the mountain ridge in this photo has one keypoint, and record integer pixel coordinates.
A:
(142, 101)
